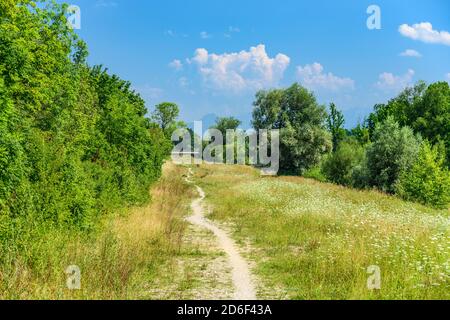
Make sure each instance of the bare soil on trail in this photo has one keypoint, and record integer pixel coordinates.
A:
(242, 279)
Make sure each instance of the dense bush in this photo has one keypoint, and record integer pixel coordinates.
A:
(74, 140)
(341, 166)
(428, 181)
(316, 173)
(393, 151)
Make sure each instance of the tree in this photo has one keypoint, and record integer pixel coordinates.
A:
(226, 123)
(431, 117)
(425, 109)
(267, 109)
(360, 133)
(392, 152)
(428, 181)
(401, 108)
(165, 114)
(301, 120)
(335, 124)
(74, 140)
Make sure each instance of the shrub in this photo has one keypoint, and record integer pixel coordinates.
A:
(428, 181)
(339, 167)
(392, 152)
(316, 174)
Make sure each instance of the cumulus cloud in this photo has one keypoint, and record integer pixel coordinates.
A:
(239, 71)
(313, 77)
(447, 76)
(176, 65)
(424, 32)
(390, 82)
(411, 53)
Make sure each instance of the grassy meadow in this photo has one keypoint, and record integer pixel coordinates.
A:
(311, 240)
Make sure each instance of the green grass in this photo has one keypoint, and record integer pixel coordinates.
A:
(128, 256)
(315, 240)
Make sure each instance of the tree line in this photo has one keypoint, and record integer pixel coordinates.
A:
(403, 146)
(75, 140)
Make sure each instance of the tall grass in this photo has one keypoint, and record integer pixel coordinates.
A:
(316, 241)
(118, 260)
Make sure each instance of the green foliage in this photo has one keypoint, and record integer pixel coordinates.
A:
(432, 115)
(401, 108)
(428, 181)
(426, 109)
(223, 124)
(315, 173)
(74, 142)
(341, 166)
(303, 137)
(335, 124)
(392, 152)
(165, 115)
(360, 133)
(226, 123)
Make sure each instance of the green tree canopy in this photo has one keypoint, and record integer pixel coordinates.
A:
(335, 124)
(74, 140)
(425, 109)
(301, 120)
(226, 123)
(165, 114)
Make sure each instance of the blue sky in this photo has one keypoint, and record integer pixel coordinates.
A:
(210, 57)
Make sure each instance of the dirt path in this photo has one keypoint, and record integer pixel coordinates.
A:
(242, 280)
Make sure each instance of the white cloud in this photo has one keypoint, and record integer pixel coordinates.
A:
(201, 56)
(424, 32)
(390, 82)
(448, 77)
(312, 77)
(205, 35)
(176, 65)
(239, 71)
(411, 53)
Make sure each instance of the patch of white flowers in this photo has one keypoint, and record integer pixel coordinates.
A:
(392, 234)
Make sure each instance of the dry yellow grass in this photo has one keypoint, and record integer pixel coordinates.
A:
(119, 261)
